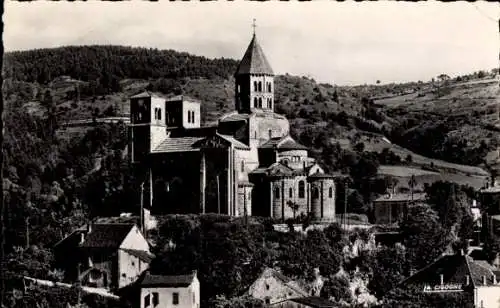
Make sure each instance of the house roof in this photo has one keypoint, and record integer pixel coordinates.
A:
(179, 144)
(182, 98)
(167, 281)
(110, 235)
(236, 143)
(399, 197)
(314, 302)
(491, 190)
(254, 61)
(319, 175)
(284, 279)
(141, 254)
(143, 94)
(283, 143)
(275, 170)
(454, 269)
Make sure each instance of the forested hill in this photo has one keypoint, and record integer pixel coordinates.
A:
(90, 63)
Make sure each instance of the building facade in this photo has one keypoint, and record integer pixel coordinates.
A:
(160, 291)
(248, 164)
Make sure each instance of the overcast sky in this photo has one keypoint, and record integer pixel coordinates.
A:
(342, 43)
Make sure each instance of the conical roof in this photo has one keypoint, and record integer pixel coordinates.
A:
(254, 61)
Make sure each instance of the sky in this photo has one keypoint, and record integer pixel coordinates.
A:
(343, 43)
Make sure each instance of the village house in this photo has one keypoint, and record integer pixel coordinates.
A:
(105, 255)
(392, 208)
(162, 291)
(247, 164)
(458, 272)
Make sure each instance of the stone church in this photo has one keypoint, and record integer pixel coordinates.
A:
(248, 164)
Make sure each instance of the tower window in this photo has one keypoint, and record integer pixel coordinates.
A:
(260, 102)
(268, 87)
(175, 298)
(330, 192)
(255, 86)
(301, 189)
(290, 192)
(277, 193)
(255, 102)
(242, 166)
(269, 103)
(260, 86)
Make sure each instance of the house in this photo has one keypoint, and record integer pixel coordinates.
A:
(161, 291)
(106, 255)
(273, 287)
(392, 208)
(458, 272)
(247, 164)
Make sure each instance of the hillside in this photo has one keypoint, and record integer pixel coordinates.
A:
(96, 81)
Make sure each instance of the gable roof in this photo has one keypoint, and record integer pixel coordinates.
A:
(454, 269)
(234, 117)
(166, 281)
(109, 235)
(283, 143)
(275, 170)
(269, 272)
(236, 143)
(180, 144)
(254, 61)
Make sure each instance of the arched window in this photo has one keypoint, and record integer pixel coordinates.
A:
(260, 102)
(260, 86)
(255, 135)
(290, 192)
(277, 193)
(269, 103)
(269, 87)
(301, 189)
(255, 86)
(315, 193)
(159, 113)
(242, 166)
(255, 102)
(330, 192)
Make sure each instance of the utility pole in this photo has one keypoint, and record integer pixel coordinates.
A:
(345, 205)
(27, 223)
(218, 195)
(142, 210)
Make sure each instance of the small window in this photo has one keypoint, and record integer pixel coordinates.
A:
(269, 89)
(242, 166)
(268, 301)
(133, 263)
(124, 275)
(277, 193)
(301, 189)
(255, 86)
(290, 192)
(194, 298)
(267, 286)
(270, 134)
(255, 102)
(255, 135)
(147, 301)
(175, 298)
(260, 86)
(330, 192)
(156, 299)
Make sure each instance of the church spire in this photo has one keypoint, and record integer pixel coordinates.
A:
(254, 26)
(254, 61)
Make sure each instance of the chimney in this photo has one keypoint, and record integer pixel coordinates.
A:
(484, 280)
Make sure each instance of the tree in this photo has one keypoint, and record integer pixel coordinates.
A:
(336, 288)
(423, 235)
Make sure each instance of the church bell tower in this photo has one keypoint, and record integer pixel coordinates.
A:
(254, 78)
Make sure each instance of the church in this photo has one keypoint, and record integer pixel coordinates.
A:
(246, 165)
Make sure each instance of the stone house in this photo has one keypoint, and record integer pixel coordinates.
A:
(160, 291)
(272, 287)
(458, 272)
(107, 255)
(392, 208)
